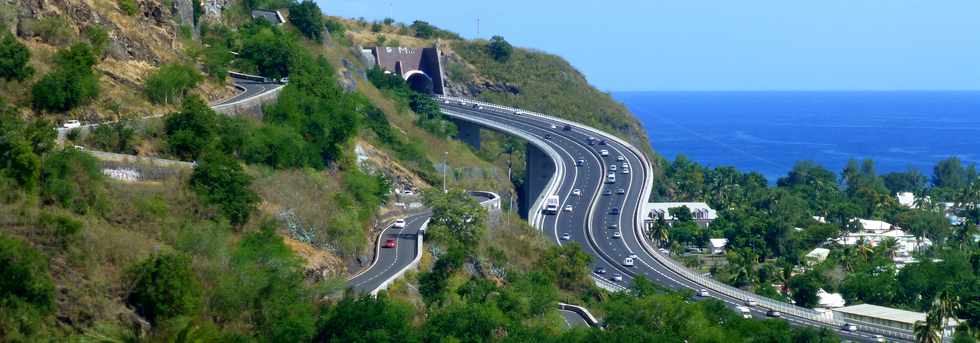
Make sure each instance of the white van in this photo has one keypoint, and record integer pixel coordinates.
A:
(628, 262)
(745, 312)
(71, 124)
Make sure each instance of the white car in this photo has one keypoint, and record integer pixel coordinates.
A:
(612, 167)
(628, 262)
(703, 292)
(577, 192)
(604, 152)
(849, 327)
(617, 234)
(566, 236)
(553, 126)
(879, 338)
(620, 158)
(626, 165)
(626, 171)
(751, 303)
(617, 277)
(568, 208)
(71, 124)
(664, 251)
(400, 224)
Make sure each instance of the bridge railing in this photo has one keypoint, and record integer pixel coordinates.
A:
(703, 281)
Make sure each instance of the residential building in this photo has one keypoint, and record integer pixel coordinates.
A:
(817, 255)
(718, 245)
(874, 232)
(701, 212)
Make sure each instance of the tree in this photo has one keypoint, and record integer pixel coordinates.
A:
(423, 29)
(499, 49)
(308, 19)
(368, 319)
(70, 84)
(270, 50)
(163, 286)
(457, 219)
(14, 59)
(568, 265)
(804, 288)
(170, 83)
(909, 181)
(221, 181)
(923, 223)
(72, 179)
(192, 130)
(26, 291)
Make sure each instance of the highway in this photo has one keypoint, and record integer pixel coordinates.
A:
(590, 222)
(391, 263)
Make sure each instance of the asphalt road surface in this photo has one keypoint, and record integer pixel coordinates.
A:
(590, 223)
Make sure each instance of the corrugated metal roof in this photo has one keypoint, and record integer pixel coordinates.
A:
(887, 313)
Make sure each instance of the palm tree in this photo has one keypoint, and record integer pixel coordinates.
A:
(864, 249)
(965, 234)
(660, 230)
(887, 247)
(927, 331)
(944, 307)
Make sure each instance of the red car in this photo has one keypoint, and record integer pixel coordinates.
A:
(390, 243)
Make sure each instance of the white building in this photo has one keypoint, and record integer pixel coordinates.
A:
(700, 211)
(829, 300)
(718, 245)
(817, 255)
(880, 319)
(875, 231)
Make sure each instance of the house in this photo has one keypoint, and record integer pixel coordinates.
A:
(700, 212)
(817, 255)
(718, 245)
(874, 318)
(906, 199)
(875, 231)
(271, 16)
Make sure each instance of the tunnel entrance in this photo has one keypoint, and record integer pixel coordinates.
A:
(420, 82)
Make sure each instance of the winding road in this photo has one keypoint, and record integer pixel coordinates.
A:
(610, 237)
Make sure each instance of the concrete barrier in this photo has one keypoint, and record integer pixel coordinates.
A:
(581, 311)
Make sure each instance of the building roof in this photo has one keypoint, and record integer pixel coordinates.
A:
(882, 312)
(876, 225)
(819, 254)
(718, 242)
(707, 212)
(830, 300)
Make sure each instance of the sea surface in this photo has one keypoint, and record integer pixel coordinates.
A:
(768, 132)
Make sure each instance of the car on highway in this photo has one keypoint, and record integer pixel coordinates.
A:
(664, 251)
(703, 293)
(553, 126)
(613, 227)
(579, 162)
(879, 338)
(849, 327)
(285, 80)
(568, 208)
(602, 142)
(600, 270)
(616, 234)
(614, 210)
(400, 224)
(547, 136)
(744, 311)
(612, 167)
(390, 243)
(590, 140)
(577, 192)
(567, 127)
(628, 262)
(565, 236)
(620, 158)
(71, 124)
(617, 277)
(604, 152)
(625, 171)
(620, 191)
(751, 303)
(607, 192)
(626, 165)
(773, 313)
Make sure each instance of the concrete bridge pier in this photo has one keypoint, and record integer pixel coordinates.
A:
(469, 133)
(538, 171)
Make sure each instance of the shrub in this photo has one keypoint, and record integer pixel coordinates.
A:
(216, 60)
(280, 147)
(129, 7)
(222, 182)
(72, 179)
(163, 287)
(71, 84)
(171, 82)
(308, 19)
(192, 130)
(98, 37)
(64, 228)
(53, 30)
(116, 137)
(423, 29)
(270, 51)
(26, 290)
(499, 49)
(14, 59)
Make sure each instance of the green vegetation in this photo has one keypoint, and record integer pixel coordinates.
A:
(163, 287)
(770, 229)
(72, 179)
(72, 83)
(308, 19)
(130, 7)
(221, 181)
(171, 83)
(26, 290)
(14, 58)
(267, 50)
(192, 130)
(499, 49)
(457, 219)
(98, 38)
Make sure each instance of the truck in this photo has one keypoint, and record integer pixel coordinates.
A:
(551, 204)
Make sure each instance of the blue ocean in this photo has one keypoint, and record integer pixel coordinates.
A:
(768, 132)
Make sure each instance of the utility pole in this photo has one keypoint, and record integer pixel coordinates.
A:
(445, 170)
